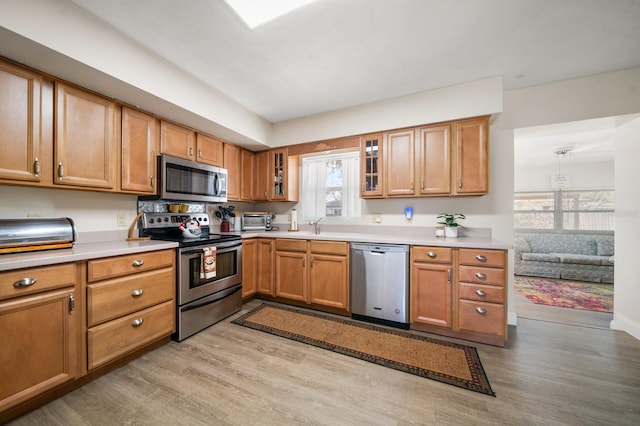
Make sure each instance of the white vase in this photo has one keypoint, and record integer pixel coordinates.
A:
(451, 231)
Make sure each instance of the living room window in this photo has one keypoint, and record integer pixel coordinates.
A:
(565, 210)
(330, 186)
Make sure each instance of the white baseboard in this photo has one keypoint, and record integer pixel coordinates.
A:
(620, 322)
(512, 318)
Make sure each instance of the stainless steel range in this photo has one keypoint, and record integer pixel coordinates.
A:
(203, 297)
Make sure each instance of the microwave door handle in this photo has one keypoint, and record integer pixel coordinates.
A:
(216, 185)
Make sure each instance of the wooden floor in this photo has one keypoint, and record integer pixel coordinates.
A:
(548, 374)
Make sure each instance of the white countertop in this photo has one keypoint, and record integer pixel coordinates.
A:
(423, 239)
(80, 251)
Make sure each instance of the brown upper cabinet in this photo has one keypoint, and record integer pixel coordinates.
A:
(209, 150)
(261, 176)
(87, 133)
(437, 160)
(371, 165)
(471, 157)
(247, 165)
(233, 164)
(140, 146)
(21, 139)
(177, 141)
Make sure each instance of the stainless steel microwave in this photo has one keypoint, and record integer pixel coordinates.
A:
(181, 179)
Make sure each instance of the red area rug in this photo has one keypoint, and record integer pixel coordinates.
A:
(566, 294)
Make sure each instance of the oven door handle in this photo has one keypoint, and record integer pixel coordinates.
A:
(212, 298)
(220, 248)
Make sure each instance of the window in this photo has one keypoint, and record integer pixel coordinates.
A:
(330, 186)
(565, 210)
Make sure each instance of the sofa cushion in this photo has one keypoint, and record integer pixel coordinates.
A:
(605, 247)
(558, 243)
(541, 257)
(580, 259)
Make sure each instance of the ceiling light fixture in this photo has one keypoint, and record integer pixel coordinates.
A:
(257, 12)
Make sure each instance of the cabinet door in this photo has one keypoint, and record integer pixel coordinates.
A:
(233, 164)
(140, 145)
(246, 181)
(266, 256)
(431, 294)
(371, 166)
(472, 157)
(329, 280)
(38, 335)
(249, 267)
(434, 160)
(261, 177)
(177, 141)
(87, 135)
(291, 280)
(210, 150)
(400, 168)
(20, 135)
(278, 174)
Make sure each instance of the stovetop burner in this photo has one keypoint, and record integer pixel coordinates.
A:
(165, 227)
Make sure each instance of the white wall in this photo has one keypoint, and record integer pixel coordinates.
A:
(597, 175)
(627, 291)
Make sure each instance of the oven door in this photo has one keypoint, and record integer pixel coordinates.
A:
(228, 271)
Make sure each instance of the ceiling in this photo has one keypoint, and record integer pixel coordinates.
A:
(332, 54)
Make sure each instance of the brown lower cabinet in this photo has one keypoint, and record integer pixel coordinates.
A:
(63, 325)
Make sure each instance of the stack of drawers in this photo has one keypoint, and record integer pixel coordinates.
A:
(130, 302)
(481, 292)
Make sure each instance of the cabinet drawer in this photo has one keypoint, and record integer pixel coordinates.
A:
(475, 274)
(482, 293)
(492, 258)
(110, 340)
(329, 247)
(480, 317)
(43, 278)
(130, 264)
(432, 254)
(291, 245)
(114, 298)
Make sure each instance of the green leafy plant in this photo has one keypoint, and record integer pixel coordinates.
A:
(224, 213)
(450, 219)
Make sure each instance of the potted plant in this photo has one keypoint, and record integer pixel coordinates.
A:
(450, 222)
(224, 214)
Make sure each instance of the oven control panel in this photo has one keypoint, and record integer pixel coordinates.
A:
(171, 220)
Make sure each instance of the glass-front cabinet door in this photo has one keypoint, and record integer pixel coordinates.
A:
(279, 174)
(371, 166)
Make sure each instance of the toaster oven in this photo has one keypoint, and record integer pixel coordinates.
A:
(256, 221)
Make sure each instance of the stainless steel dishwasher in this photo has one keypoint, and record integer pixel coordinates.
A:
(380, 283)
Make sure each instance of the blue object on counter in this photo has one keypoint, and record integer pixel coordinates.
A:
(408, 212)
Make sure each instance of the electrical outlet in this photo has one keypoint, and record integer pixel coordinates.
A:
(377, 218)
(122, 219)
(34, 215)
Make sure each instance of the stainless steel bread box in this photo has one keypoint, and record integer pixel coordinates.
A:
(33, 234)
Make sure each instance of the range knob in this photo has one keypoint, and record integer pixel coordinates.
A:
(151, 220)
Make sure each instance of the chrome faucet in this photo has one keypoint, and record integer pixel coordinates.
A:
(316, 225)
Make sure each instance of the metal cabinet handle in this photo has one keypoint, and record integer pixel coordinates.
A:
(137, 322)
(411, 187)
(72, 303)
(422, 184)
(190, 151)
(459, 182)
(481, 311)
(60, 171)
(36, 167)
(270, 246)
(303, 262)
(481, 276)
(432, 254)
(481, 258)
(139, 262)
(151, 181)
(199, 153)
(25, 282)
(481, 293)
(137, 292)
(312, 261)
(449, 276)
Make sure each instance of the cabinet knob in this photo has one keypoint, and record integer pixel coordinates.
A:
(190, 152)
(137, 322)
(481, 311)
(72, 303)
(36, 167)
(138, 262)
(25, 282)
(60, 171)
(432, 254)
(137, 292)
(481, 293)
(481, 276)
(481, 258)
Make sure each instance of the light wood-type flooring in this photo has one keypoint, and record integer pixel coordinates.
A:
(548, 374)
